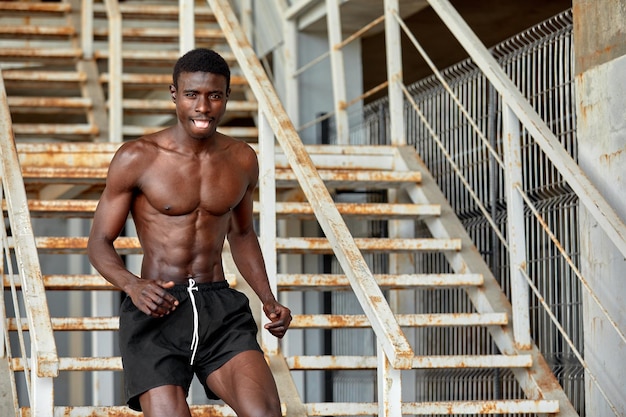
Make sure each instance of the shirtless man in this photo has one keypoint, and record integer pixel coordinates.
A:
(189, 188)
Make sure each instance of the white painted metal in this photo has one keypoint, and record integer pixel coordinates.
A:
(389, 386)
(418, 362)
(489, 297)
(290, 65)
(45, 361)
(393, 51)
(86, 34)
(116, 117)
(186, 25)
(267, 222)
(516, 228)
(602, 212)
(338, 73)
(386, 328)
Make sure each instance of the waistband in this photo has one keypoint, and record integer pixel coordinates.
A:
(202, 286)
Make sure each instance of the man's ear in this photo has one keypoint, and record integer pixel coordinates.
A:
(173, 92)
(228, 93)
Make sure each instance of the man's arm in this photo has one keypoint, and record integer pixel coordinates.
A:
(109, 219)
(246, 252)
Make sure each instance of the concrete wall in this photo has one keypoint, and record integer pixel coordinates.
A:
(600, 42)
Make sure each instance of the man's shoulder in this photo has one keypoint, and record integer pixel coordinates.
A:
(141, 147)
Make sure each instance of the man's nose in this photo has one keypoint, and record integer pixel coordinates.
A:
(202, 105)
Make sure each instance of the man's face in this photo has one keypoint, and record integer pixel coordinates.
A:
(200, 102)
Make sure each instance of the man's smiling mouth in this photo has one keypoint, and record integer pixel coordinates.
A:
(201, 123)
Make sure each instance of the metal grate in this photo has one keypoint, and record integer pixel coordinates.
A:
(540, 62)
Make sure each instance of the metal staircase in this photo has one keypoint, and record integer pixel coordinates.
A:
(394, 212)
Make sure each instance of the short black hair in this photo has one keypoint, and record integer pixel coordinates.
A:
(201, 60)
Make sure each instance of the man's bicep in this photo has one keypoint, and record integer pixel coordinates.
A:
(111, 214)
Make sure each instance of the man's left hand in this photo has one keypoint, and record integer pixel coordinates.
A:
(280, 318)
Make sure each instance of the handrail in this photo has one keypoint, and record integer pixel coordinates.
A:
(390, 336)
(598, 207)
(45, 361)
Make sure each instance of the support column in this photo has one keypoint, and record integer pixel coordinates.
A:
(601, 89)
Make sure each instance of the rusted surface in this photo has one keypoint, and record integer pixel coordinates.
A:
(335, 282)
(68, 282)
(322, 245)
(36, 32)
(43, 76)
(134, 34)
(154, 12)
(27, 8)
(334, 321)
(47, 104)
(42, 54)
(211, 410)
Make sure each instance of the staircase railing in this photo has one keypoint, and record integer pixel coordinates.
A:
(39, 361)
(390, 337)
(518, 112)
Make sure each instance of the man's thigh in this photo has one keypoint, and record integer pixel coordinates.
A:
(246, 384)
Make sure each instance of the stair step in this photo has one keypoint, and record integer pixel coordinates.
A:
(13, 8)
(335, 321)
(303, 245)
(43, 76)
(152, 80)
(74, 323)
(349, 178)
(325, 157)
(47, 104)
(320, 362)
(130, 245)
(41, 54)
(362, 210)
(153, 34)
(236, 132)
(83, 282)
(85, 209)
(214, 410)
(284, 177)
(44, 129)
(168, 107)
(336, 282)
(491, 407)
(286, 282)
(90, 363)
(36, 32)
(154, 12)
(155, 57)
(419, 362)
(302, 321)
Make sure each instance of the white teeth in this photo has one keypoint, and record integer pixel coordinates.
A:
(203, 124)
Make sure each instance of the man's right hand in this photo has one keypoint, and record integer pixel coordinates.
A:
(152, 297)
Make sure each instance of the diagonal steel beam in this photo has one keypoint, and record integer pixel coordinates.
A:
(390, 336)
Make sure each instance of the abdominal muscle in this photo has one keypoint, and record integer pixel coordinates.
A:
(180, 247)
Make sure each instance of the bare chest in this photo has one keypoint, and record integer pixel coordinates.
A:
(183, 188)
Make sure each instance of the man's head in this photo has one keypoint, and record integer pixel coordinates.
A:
(201, 60)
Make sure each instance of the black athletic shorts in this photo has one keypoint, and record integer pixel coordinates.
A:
(158, 351)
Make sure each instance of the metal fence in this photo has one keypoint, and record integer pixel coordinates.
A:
(540, 62)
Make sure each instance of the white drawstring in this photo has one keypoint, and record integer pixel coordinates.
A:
(194, 340)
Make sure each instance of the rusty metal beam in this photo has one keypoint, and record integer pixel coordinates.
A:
(393, 341)
(419, 362)
(338, 321)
